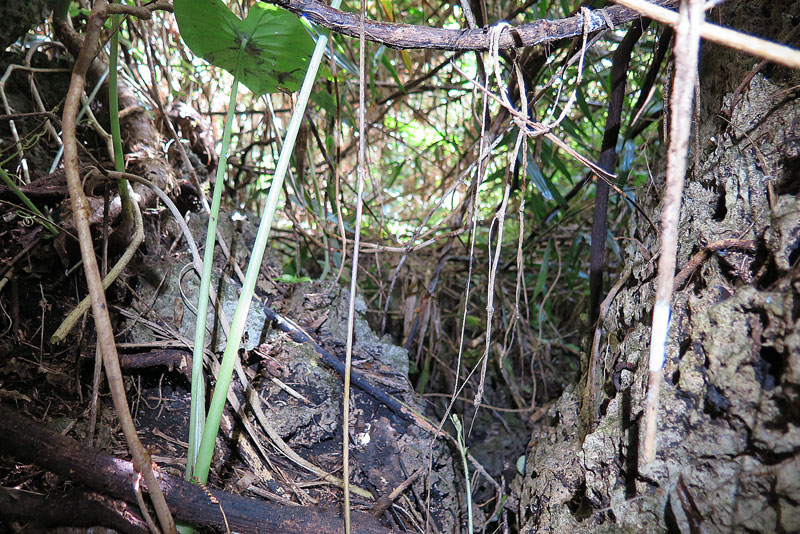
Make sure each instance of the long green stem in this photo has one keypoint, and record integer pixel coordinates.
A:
(203, 462)
(113, 109)
(197, 414)
(462, 449)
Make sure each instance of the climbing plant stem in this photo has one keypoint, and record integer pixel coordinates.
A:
(113, 113)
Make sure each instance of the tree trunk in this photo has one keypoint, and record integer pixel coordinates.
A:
(728, 457)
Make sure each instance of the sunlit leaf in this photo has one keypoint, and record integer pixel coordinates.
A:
(407, 61)
(268, 50)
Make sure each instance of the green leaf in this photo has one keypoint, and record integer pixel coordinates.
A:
(268, 50)
(287, 278)
(388, 64)
(538, 205)
(473, 322)
(587, 111)
(545, 185)
(549, 156)
(537, 178)
(572, 129)
(542, 278)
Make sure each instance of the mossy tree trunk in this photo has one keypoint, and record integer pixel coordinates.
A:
(729, 432)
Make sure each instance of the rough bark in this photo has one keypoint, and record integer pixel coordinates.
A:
(728, 441)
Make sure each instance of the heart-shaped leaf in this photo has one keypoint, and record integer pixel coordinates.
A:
(268, 50)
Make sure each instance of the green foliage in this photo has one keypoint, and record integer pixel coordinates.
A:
(269, 49)
(35, 213)
(287, 278)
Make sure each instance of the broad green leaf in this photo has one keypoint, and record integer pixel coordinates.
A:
(268, 50)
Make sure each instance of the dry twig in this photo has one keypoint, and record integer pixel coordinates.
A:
(105, 333)
(687, 45)
(777, 53)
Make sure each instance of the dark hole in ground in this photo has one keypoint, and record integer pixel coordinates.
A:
(579, 505)
(769, 367)
(720, 210)
(716, 404)
(685, 344)
(670, 520)
(794, 255)
(605, 403)
(789, 183)
(676, 376)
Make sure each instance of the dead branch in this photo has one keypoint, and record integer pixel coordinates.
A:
(30, 441)
(410, 36)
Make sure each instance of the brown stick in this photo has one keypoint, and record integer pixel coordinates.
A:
(687, 44)
(32, 115)
(697, 260)
(411, 36)
(105, 332)
(29, 441)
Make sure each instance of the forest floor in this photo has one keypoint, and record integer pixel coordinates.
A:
(284, 457)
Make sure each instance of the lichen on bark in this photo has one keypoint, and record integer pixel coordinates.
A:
(729, 440)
